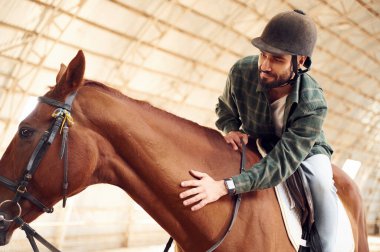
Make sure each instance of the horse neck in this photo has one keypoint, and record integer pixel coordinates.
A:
(148, 152)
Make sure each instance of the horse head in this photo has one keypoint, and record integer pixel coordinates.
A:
(31, 169)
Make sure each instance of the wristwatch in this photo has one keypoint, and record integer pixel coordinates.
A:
(230, 185)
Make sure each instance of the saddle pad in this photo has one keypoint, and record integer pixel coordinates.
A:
(291, 216)
(292, 219)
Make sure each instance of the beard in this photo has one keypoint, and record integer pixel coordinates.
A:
(279, 80)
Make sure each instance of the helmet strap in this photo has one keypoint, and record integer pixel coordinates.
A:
(295, 70)
(298, 71)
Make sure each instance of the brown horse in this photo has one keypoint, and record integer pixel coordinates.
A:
(147, 152)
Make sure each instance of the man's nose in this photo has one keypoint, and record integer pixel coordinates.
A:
(265, 65)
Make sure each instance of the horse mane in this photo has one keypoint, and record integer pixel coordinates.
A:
(117, 94)
(106, 89)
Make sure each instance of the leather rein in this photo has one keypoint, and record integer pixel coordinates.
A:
(61, 124)
(236, 208)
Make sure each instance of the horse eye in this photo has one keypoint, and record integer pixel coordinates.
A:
(25, 132)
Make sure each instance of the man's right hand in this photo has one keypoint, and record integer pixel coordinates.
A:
(233, 138)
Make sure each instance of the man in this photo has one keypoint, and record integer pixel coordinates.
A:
(270, 96)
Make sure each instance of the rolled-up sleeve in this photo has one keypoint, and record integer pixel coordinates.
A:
(304, 127)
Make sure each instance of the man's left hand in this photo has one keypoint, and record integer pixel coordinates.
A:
(205, 190)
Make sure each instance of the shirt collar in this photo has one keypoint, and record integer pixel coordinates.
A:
(294, 94)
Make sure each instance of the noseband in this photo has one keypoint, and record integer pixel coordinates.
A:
(61, 124)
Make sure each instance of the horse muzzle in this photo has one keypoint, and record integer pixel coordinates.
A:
(4, 227)
(9, 211)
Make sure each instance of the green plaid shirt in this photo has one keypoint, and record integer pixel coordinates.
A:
(244, 106)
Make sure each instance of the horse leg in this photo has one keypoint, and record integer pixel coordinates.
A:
(352, 201)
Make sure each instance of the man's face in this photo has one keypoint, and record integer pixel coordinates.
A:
(274, 70)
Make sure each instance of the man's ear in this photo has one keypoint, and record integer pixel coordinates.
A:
(71, 78)
(301, 60)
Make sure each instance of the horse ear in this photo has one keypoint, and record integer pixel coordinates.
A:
(61, 73)
(70, 78)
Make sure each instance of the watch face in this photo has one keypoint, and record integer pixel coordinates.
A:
(230, 184)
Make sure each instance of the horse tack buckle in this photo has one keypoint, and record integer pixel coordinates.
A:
(21, 189)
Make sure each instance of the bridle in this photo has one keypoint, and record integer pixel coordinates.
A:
(61, 124)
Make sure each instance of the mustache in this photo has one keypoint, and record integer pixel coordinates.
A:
(266, 72)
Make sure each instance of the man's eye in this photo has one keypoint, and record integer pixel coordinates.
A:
(25, 132)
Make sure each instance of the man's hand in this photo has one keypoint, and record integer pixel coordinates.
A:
(205, 190)
(233, 138)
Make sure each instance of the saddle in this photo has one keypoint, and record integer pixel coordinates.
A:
(299, 190)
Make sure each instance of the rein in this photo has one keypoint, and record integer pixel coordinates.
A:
(61, 124)
(236, 208)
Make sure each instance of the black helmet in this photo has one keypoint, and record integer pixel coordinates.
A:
(290, 32)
